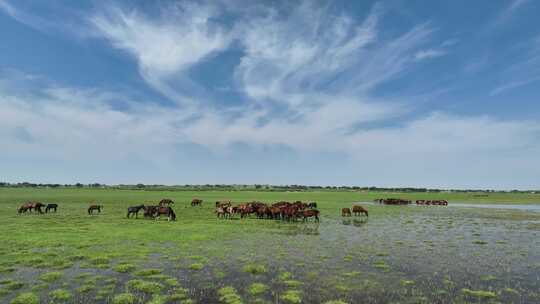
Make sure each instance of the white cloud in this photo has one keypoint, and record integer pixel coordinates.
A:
(164, 48)
(525, 70)
(428, 54)
(436, 150)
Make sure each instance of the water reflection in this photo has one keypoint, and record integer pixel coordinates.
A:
(301, 229)
(355, 222)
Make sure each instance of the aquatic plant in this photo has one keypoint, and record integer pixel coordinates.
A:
(291, 296)
(51, 276)
(257, 288)
(144, 286)
(60, 295)
(26, 298)
(196, 266)
(147, 272)
(124, 298)
(255, 268)
(478, 293)
(229, 295)
(124, 268)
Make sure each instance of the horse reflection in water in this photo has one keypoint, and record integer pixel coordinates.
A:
(304, 229)
(355, 222)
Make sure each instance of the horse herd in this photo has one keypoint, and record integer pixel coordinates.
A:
(282, 210)
(36, 206)
(399, 201)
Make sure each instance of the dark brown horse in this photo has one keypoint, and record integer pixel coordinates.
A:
(165, 202)
(94, 207)
(358, 210)
(223, 204)
(196, 202)
(346, 212)
(29, 206)
(51, 207)
(167, 211)
(306, 214)
(25, 207)
(134, 210)
(149, 211)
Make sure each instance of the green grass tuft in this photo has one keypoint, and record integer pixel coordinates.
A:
(479, 293)
(291, 296)
(256, 289)
(51, 276)
(60, 295)
(124, 268)
(144, 286)
(26, 298)
(124, 298)
(228, 295)
(255, 269)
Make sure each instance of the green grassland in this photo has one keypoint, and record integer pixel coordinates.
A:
(73, 257)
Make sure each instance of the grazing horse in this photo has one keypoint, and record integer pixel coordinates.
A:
(168, 211)
(306, 214)
(29, 206)
(196, 202)
(149, 211)
(223, 204)
(134, 210)
(312, 205)
(220, 212)
(165, 202)
(51, 207)
(246, 211)
(26, 207)
(358, 210)
(94, 207)
(346, 212)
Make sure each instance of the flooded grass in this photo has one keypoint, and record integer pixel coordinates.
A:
(399, 255)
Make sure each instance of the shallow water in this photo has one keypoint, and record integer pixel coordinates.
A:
(432, 255)
(523, 207)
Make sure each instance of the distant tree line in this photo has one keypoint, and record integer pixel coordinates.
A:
(255, 187)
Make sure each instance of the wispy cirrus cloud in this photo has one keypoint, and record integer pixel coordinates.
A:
(523, 71)
(428, 54)
(167, 47)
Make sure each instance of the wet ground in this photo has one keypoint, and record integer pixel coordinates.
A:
(431, 255)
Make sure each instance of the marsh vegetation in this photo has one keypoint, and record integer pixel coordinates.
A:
(401, 254)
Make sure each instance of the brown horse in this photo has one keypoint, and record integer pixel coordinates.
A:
(165, 202)
(167, 211)
(306, 214)
(358, 210)
(29, 206)
(149, 211)
(223, 204)
(94, 207)
(346, 212)
(196, 202)
(25, 207)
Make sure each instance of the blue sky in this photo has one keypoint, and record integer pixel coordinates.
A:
(384, 93)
